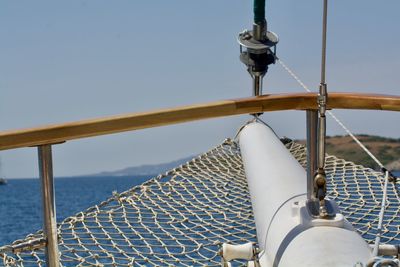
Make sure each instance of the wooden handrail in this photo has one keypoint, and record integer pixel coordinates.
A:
(114, 124)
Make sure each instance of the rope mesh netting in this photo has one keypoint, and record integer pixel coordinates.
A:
(182, 217)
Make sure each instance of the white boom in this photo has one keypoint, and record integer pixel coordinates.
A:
(287, 234)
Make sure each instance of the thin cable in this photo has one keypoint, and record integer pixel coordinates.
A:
(293, 75)
(331, 114)
(324, 26)
(322, 101)
(377, 161)
(254, 119)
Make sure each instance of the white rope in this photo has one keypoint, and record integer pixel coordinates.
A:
(377, 161)
(379, 261)
(293, 75)
(332, 115)
(381, 214)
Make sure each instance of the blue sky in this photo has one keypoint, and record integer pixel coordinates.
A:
(69, 60)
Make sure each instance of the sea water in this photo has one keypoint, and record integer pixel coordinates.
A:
(21, 206)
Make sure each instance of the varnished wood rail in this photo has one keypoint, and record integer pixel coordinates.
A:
(127, 122)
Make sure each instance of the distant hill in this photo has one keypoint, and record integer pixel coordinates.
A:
(148, 169)
(387, 150)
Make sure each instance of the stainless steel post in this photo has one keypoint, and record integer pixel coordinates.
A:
(257, 84)
(312, 127)
(321, 142)
(49, 209)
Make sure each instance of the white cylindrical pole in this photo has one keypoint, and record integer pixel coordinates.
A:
(273, 174)
(287, 233)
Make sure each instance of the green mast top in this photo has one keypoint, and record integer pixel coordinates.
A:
(257, 47)
(259, 11)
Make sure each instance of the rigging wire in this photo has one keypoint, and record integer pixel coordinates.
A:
(320, 175)
(387, 173)
(305, 87)
(324, 30)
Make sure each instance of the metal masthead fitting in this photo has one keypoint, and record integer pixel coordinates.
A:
(257, 51)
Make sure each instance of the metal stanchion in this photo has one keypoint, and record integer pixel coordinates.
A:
(312, 127)
(49, 209)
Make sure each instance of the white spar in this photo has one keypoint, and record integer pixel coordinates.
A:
(286, 233)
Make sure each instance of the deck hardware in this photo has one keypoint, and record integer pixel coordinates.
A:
(257, 55)
(387, 250)
(316, 178)
(383, 262)
(258, 47)
(32, 244)
(392, 177)
(247, 251)
(49, 209)
(320, 176)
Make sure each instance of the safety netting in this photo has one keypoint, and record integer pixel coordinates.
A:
(182, 217)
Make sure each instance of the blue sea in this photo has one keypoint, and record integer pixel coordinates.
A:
(21, 206)
(20, 200)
